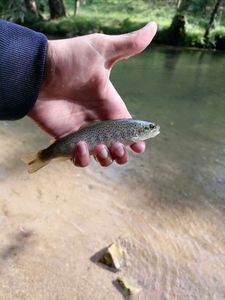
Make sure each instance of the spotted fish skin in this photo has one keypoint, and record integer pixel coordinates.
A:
(126, 131)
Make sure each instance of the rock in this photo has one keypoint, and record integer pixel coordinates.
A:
(127, 287)
(113, 257)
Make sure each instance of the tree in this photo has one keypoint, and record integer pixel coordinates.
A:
(212, 19)
(178, 2)
(57, 9)
(76, 6)
(177, 29)
(31, 6)
(183, 5)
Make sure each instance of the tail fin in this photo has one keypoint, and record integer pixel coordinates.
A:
(34, 162)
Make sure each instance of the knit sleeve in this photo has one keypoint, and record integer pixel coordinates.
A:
(22, 63)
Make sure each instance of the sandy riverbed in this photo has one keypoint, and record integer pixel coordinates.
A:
(54, 221)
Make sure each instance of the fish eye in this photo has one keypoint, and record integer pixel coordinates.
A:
(152, 126)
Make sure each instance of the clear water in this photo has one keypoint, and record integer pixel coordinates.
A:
(166, 208)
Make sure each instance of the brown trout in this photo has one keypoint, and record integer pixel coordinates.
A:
(125, 131)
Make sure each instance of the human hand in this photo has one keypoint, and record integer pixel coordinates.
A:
(77, 89)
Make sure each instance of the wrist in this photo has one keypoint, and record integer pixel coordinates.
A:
(49, 73)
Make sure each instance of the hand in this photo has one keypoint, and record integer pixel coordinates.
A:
(77, 89)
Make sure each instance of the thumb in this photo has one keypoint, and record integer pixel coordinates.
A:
(129, 44)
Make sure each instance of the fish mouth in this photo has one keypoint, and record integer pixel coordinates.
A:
(156, 131)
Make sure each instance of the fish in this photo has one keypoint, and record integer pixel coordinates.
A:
(125, 131)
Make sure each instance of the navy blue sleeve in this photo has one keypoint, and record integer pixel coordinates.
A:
(22, 64)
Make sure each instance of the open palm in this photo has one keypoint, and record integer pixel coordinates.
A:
(77, 87)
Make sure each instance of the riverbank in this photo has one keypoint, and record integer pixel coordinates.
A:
(116, 18)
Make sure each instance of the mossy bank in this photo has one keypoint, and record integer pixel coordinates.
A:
(115, 17)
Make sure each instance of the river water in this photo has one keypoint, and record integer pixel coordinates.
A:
(165, 208)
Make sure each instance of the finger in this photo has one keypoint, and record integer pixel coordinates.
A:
(81, 155)
(138, 147)
(126, 45)
(119, 153)
(103, 156)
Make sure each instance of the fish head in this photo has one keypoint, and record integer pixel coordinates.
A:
(148, 130)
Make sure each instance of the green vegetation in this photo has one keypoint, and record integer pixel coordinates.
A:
(115, 16)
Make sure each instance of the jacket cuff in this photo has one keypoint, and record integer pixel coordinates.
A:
(22, 63)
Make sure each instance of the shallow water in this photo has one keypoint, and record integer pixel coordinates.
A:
(166, 208)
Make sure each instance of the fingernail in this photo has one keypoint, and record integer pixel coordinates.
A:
(104, 153)
(153, 24)
(119, 152)
(82, 149)
(142, 147)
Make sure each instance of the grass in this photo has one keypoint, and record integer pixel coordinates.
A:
(114, 17)
(137, 12)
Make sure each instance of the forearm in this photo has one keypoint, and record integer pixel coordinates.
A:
(22, 66)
